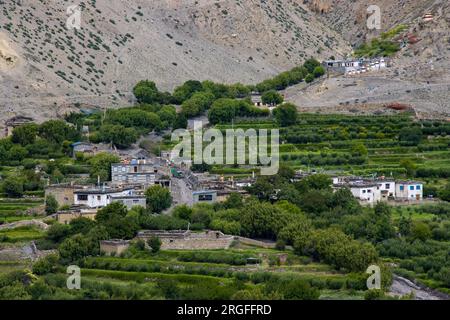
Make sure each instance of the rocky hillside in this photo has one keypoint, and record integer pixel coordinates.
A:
(46, 67)
(47, 70)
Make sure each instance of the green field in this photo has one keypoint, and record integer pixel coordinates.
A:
(12, 210)
(327, 142)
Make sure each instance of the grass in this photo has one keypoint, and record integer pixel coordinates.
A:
(21, 234)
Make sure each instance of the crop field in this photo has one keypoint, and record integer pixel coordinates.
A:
(12, 210)
(333, 143)
(213, 274)
(21, 234)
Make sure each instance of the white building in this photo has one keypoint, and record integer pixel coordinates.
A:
(387, 189)
(409, 190)
(99, 197)
(365, 192)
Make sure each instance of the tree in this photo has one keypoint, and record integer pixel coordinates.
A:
(409, 166)
(272, 97)
(57, 131)
(46, 264)
(118, 135)
(359, 149)
(286, 114)
(318, 71)
(114, 218)
(311, 64)
(421, 231)
(187, 90)
(58, 232)
(158, 198)
(309, 78)
(74, 248)
(444, 194)
(182, 212)
(13, 187)
(146, 92)
(197, 104)
(25, 134)
(411, 135)
(155, 244)
(101, 165)
(51, 205)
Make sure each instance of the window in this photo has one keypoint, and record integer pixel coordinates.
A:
(402, 188)
(82, 197)
(418, 187)
(99, 198)
(205, 197)
(364, 191)
(411, 188)
(369, 191)
(135, 169)
(388, 185)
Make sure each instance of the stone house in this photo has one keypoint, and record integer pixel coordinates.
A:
(114, 246)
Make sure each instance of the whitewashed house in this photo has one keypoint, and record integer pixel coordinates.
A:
(409, 190)
(387, 189)
(368, 193)
(99, 197)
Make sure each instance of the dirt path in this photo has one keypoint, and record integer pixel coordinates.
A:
(402, 286)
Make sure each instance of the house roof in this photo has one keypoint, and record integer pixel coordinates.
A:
(102, 190)
(204, 192)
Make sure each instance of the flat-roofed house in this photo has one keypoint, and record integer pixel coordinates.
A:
(409, 190)
(136, 171)
(204, 196)
(99, 197)
(131, 201)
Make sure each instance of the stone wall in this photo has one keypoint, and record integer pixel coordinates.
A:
(196, 243)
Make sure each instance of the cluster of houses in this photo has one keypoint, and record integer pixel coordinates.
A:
(356, 66)
(129, 180)
(371, 191)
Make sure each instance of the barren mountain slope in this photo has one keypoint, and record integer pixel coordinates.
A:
(122, 41)
(420, 75)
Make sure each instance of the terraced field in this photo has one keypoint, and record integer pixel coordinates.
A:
(147, 271)
(331, 142)
(12, 210)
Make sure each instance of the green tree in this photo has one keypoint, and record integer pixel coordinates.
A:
(444, 193)
(187, 90)
(309, 78)
(146, 92)
(421, 231)
(286, 114)
(13, 187)
(411, 135)
(272, 97)
(101, 166)
(318, 71)
(155, 244)
(114, 218)
(25, 134)
(158, 198)
(74, 249)
(197, 104)
(57, 131)
(182, 212)
(118, 135)
(46, 264)
(311, 64)
(409, 166)
(51, 205)
(359, 149)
